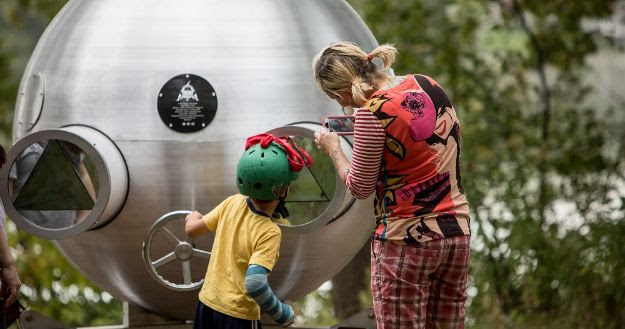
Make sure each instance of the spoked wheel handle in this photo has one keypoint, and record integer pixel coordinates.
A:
(183, 251)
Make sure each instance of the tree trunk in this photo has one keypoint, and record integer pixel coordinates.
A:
(349, 282)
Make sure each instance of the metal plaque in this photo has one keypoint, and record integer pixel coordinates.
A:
(187, 103)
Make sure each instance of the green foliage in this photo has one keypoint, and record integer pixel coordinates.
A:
(21, 23)
(53, 287)
(50, 284)
(543, 168)
(316, 309)
(311, 193)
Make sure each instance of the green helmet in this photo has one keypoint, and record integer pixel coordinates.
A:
(263, 173)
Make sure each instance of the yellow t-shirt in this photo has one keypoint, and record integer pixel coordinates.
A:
(243, 236)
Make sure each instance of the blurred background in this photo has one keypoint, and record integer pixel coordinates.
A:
(540, 89)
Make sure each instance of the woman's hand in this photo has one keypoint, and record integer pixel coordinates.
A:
(11, 282)
(330, 144)
(327, 141)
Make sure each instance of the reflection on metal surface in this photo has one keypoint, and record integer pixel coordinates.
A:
(105, 66)
(317, 195)
(30, 101)
(310, 194)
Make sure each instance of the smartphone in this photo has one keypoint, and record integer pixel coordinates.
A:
(340, 124)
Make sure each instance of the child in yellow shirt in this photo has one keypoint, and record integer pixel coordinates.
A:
(247, 239)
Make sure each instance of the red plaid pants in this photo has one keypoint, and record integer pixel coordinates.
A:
(420, 286)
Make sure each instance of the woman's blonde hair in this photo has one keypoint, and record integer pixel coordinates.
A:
(343, 66)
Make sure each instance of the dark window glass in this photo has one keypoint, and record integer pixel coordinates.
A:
(310, 194)
(54, 184)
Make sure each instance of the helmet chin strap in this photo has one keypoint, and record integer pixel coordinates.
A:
(280, 208)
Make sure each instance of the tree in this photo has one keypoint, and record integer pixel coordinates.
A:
(50, 284)
(534, 151)
(542, 162)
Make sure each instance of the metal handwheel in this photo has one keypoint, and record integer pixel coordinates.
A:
(183, 251)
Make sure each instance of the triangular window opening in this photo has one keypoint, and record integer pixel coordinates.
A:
(54, 183)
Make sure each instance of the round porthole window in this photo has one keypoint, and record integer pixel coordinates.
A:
(316, 197)
(60, 182)
(53, 183)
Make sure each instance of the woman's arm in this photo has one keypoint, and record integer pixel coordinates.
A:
(330, 144)
(8, 275)
(369, 137)
(340, 161)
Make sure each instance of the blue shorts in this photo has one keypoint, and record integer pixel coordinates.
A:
(207, 318)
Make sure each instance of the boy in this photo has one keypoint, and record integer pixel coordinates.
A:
(247, 240)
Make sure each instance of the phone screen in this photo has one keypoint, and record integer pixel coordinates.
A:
(341, 124)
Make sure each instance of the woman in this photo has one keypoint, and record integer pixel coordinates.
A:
(11, 282)
(407, 149)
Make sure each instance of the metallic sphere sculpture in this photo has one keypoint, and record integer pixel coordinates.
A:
(131, 111)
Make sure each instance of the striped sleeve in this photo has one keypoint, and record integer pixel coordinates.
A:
(258, 288)
(369, 138)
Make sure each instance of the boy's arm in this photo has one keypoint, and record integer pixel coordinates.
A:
(261, 262)
(194, 225)
(258, 288)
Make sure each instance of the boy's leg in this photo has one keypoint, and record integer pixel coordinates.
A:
(207, 318)
(448, 285)
(203, 317)
(225, 321)
(400, 284)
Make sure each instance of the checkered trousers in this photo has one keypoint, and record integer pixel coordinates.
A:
(420, 286)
